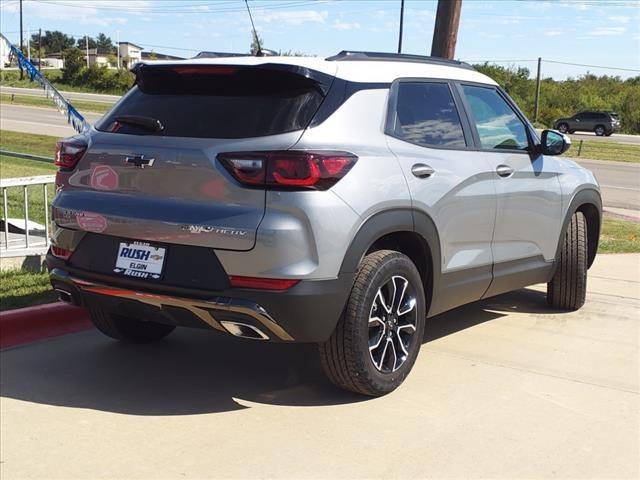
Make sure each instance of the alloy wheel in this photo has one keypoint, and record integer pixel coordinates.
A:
(392, 324)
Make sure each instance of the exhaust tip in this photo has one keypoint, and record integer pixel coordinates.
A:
(244, 330)
(65, 296)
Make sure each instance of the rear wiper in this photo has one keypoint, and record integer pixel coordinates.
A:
(145, 122)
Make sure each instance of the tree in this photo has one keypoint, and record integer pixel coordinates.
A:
(82, 43)
(74, 63)
(254, 44)
(54, 41)
(153, 55)
(104, 43)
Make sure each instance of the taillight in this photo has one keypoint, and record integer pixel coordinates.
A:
(69, 152)
(279, 284)
(61, 253)
(288, 170)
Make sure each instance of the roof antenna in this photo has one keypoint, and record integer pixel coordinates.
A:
(255, 34)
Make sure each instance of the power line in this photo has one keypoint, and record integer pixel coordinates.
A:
(184, 9)
(594, 66)
(557, 62)
(253, 29)
(498, 61)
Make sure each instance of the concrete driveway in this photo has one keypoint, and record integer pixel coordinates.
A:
(504, 388)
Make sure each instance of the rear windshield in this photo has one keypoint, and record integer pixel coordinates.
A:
(214, 101)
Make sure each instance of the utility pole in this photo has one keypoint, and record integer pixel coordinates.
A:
(445, 33)
(537, 100)
(86, 45)
(401, 25)
(118, 47)
(21, 40)
(39, 49)
(29, 43)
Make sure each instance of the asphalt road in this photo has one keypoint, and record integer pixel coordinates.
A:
(620, 181)
(46, 121)
(38, 92)
(616, 137)
(503, 388)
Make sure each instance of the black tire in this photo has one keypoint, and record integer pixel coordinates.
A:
(567, 289)
(346, 357)
(600, 130)
(127, 329)
(563, 127)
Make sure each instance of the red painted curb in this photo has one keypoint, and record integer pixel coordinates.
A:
(29, 324)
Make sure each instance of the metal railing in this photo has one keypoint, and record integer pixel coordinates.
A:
(13, 245)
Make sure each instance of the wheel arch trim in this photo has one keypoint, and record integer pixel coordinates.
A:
(583, 200)
(397, 220)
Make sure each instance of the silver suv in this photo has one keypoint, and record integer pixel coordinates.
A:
(339, 201)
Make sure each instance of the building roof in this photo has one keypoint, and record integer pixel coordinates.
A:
(99, 51)
(159, 56)
(132, 44)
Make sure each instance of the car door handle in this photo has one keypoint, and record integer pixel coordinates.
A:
(421, 170)
(504, 170)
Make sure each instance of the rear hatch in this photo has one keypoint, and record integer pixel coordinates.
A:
(151, 172)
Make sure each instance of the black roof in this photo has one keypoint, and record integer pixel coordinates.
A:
(265, 53)
(347, 55)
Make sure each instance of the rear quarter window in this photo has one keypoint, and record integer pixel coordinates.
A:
(426, 114)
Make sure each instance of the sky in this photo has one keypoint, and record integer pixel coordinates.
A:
(602, 33)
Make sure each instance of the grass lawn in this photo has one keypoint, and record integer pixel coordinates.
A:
(28, 143)
(22, 289)
(18, 167)
(595, 150)
(80, 105)
(619, 236)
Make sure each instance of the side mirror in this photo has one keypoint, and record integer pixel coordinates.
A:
(554, 143)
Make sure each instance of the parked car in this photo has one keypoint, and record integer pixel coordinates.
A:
(339, 201)
(601, 123)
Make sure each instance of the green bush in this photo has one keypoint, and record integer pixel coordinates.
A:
(74, 64)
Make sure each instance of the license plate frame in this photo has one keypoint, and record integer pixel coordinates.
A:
(140, 260)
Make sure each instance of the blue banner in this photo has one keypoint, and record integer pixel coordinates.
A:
(76, 120)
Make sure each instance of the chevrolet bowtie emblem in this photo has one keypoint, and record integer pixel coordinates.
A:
(139, 161)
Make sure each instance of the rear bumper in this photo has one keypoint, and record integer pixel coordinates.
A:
(307, 312)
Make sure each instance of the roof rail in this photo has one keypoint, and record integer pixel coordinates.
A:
(346, 55)
(220, 55)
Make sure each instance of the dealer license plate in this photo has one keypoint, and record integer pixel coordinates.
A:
(140, 260)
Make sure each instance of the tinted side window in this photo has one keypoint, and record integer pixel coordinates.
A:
(426, 115)
(498, 125)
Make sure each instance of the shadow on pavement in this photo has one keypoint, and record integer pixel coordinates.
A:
(197, 371)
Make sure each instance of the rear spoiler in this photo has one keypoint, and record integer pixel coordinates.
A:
(322, 80)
